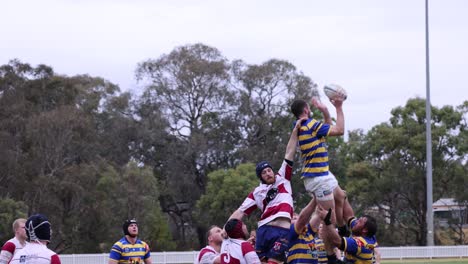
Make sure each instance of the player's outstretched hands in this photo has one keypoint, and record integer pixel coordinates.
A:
(337, 101)
(339, 97)
(333, 91)
(324, 214)
(318, 104)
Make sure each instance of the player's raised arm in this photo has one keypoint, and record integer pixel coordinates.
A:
(238, 214)
(338, 128)
(328, 231)
(322, 108)
(337, 96)
(292, 143)
(305, 215)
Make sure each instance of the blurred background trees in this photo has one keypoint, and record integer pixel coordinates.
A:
(180, 156)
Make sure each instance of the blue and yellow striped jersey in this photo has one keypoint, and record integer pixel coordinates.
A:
(125, 252)
(301, 244)
(358, 249)
(320, 251)
(314, 153)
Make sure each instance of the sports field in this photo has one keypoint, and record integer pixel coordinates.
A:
(426, 261)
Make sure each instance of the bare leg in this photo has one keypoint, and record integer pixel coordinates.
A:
(340, 197)
(326, 204)
(347, 211)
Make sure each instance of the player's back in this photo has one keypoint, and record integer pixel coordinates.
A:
(35, 253)
(313, 148)
(237, 251)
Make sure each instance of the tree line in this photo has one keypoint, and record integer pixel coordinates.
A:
(180, 156)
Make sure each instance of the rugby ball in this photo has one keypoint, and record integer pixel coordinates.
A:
(333, 90)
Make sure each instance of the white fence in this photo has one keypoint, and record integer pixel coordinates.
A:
(424, 252)
(189, 256)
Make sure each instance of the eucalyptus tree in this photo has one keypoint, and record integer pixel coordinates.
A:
(58, 134)
(265, 93)
(387, 168)
(11, 210)
(225, 192)
(191, 87)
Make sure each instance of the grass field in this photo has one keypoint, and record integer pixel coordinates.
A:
(426, 261)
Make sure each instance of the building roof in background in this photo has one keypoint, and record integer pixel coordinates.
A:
(445, 204)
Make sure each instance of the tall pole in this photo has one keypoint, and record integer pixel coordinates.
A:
(429, 213)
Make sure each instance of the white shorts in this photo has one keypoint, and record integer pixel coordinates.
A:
(322, 187)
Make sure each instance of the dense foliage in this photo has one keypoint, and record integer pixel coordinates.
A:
(180, 156)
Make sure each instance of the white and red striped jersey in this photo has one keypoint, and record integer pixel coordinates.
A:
(274, 200)
(206, 255)
(9, 249)
(236, 251)
(35, 253)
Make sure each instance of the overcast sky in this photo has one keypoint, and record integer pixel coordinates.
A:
(375, 49)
